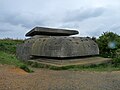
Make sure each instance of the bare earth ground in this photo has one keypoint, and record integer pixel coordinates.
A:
(12, 78)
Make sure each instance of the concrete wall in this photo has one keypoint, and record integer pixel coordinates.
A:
(57, 47)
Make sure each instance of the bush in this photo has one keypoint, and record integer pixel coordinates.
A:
(116, 59)
(108, 43)
(25, 68)
(9, 45)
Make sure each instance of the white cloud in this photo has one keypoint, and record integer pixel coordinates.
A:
(90, 17)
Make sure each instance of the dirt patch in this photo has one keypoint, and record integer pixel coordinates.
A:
(43, 79)
(12, 69)
(17, 71)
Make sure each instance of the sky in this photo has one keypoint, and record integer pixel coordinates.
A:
(89, 17)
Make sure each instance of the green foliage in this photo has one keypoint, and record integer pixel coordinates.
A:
(7, 53)
(116, 59)
(9, 45)
(6, 58)
(116, 62)
(10, 59)
(25, 68)
(108, 43)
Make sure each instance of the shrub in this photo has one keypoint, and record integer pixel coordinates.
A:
(25, 68)
(9, 45)
(108, 43)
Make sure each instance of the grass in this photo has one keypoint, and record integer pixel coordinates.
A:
(8, 51)
(10, 59)
(6, 58)
(100, 67)
(9, 45)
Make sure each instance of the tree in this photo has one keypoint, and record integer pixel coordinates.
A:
(108, 43)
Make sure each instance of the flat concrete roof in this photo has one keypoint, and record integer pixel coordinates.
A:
(51, 32)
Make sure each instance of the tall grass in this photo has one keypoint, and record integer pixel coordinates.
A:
(9, 45)
(7, 53)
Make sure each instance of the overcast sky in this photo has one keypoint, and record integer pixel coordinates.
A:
(90, 17)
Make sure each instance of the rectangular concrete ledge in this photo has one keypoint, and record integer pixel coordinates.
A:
(79, 61)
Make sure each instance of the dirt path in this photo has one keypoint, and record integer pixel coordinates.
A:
(12, 78)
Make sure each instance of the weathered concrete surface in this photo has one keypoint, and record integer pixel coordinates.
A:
(64, 47)
(55, 43)
(60, 47)
(51, 32)
(67, 62)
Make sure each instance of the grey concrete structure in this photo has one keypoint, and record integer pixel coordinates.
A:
(51, 32)
(55, 43)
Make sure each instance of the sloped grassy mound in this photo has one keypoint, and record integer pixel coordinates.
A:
(10, 59)
(9, 45)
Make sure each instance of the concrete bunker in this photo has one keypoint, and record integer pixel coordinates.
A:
(55, 43)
